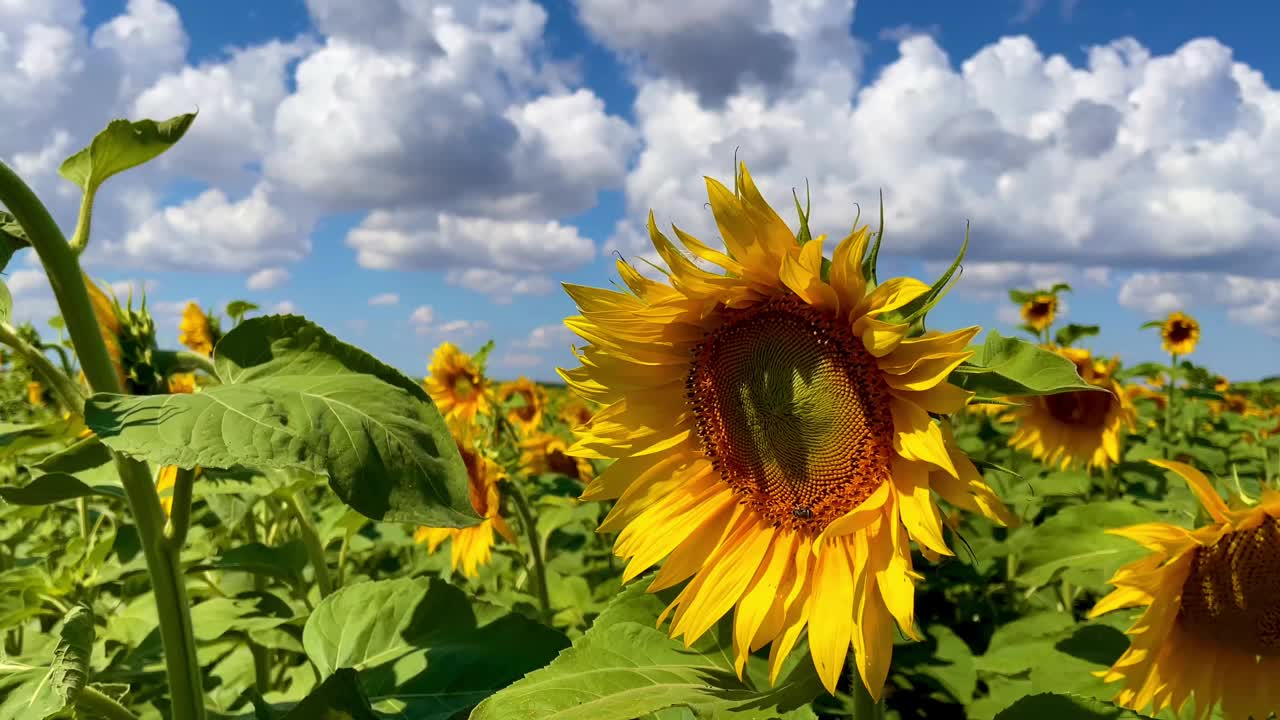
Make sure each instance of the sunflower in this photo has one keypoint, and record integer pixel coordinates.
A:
(1221, 384)
(771, 435)
(165, 479)
(1210, 633)
(196, 331)
(472, 546)
(1081, 427)
(543, 452)
(527, 414)
(109, 327)
(1039, 311)
(456, 384)
(1179, 334)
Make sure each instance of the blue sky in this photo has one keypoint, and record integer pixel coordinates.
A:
(346, 151)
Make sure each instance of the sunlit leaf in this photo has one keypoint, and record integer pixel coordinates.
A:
(1004, 366)
(57, 686)
(123, 145)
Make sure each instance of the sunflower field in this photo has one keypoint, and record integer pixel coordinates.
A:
(770, 488)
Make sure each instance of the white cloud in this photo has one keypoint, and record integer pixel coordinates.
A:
(267, 278)
(1129, 161)
(519, 360)
(462, 328)
(418, 240)
(1247, 300)
(213, 232)
(993, 280)
(285, 307)
(501, 286)
(422, 315)
(385, 299)
(545, 337)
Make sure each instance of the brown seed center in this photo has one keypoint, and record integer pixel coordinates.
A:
(1232, 595)
(793, 412)
(1179, 331)
(1079, 409)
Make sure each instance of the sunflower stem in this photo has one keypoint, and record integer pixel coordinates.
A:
(864, 706)
(537, 565)
(62, 265)
(297, 503)
(1168, 407)
(95, 703)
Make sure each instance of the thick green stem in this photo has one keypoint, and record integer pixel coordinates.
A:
(1168, 405)
(96, 704)
(311, 541)
(82, 511)
(537, 565)
(67, 391)
(80, 237)
(175, 531)
(67, 280)
(864, 706)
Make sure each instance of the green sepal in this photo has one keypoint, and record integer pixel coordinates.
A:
(1072, 332)
(869, 263)
(918, 308)
(804, 235)
(1151, 324)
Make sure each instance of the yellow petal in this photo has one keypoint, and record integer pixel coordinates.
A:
(760, 596)
(846, 270)
(1200, 485)
(917, 437)
(915, 505)
(831, 621)
(856, 519)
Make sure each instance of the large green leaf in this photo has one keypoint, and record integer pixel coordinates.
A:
(56, 687)
(422, 647)
(293, 396)
(88, 460)
(49, 489)
(1065, 706)
(340, 697)
(624, 667)
(17, 439)
(1074, 542)
(1004, 367)
(122, 145)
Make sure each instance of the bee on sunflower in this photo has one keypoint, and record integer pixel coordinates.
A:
(771, 435)
(1210, 631)
(472, 547)
(457, 384)
(1080, 427)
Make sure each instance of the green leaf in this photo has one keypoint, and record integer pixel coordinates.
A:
(216, 617)
(1070, 333)
(1018, 646)
(872, 259)
(283, 561)
(1011, 367)
(293, 396)
(122, 145)
(1059, 287)
(338, 698)
(1074, 542)
(1021, 297)
(88, 460)
(56, 689)
(49, 489)
(238, 308)
(17, 439)
(624, 667)
(12, 238)
(1065, 706)
(422, 647)
(1151, 324)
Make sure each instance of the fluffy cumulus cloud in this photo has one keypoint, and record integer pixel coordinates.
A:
(422, 240)
(501, 286)
(1248, 300)
(267, 279)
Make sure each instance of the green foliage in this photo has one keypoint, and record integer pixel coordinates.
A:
(293, 396)
(47, 691)
(1070, 334)
(12, 238)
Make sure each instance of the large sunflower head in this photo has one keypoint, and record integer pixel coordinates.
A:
(543, 452)
(527, 400)
(1179, 334)
(771, 430)
(1081, 427)
(456, 384)
(198, 331)
(1040, 310)
(472, 547)
(1210, 631)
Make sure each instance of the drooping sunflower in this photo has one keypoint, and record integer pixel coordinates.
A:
(456, 384)
(1081, 427)
(110, 328)
(576, 413)
(543, 452)
(1210, 633)
(527, 414)
(771, 435)
(182, 383)
(35, 393)
(1040, 311)
(473, 546)
(1179, 334)
(196, 330)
